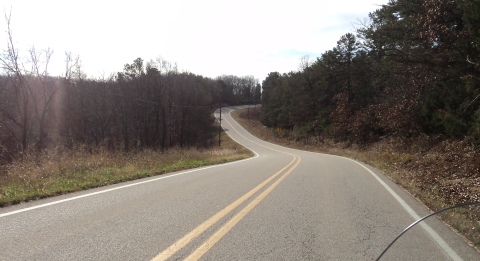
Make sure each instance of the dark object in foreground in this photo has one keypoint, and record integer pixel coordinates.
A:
(423, 218)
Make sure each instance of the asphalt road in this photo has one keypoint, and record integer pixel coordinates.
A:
(283, 204)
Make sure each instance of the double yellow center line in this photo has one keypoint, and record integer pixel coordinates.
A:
(210, 242)
(200, 251)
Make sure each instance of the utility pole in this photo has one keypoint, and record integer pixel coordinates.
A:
(220, 127)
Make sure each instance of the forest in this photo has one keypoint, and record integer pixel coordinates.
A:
(148, 105)
(407, 75)
(411, 69)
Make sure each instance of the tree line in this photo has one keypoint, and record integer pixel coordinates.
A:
(147, 105)
(413, 68)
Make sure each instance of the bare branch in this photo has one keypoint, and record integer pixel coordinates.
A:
(10, 59)
(40, 63)
(71, 63)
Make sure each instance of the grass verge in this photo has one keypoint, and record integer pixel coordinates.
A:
(439, 174)
(60, 172)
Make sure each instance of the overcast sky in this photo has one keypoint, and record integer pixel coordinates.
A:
(206, 37)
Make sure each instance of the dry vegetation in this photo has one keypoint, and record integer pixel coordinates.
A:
(62, 171)
(440, 173)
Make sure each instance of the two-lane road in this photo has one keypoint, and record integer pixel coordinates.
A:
(283, 204)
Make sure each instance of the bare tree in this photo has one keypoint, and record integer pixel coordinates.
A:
(72, 65)
(21, 93)
(31, 94)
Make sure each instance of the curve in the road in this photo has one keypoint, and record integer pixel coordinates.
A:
(209, 243)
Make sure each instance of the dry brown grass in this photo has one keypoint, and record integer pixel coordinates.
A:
(62, 171)
(438, 173)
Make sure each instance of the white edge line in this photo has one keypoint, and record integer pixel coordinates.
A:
(256, 154)
(126, 186)
(442, 243)
(117, 188)
(412, 213)
(438, 239)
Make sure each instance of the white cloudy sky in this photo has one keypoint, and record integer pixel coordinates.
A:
(206, 37)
